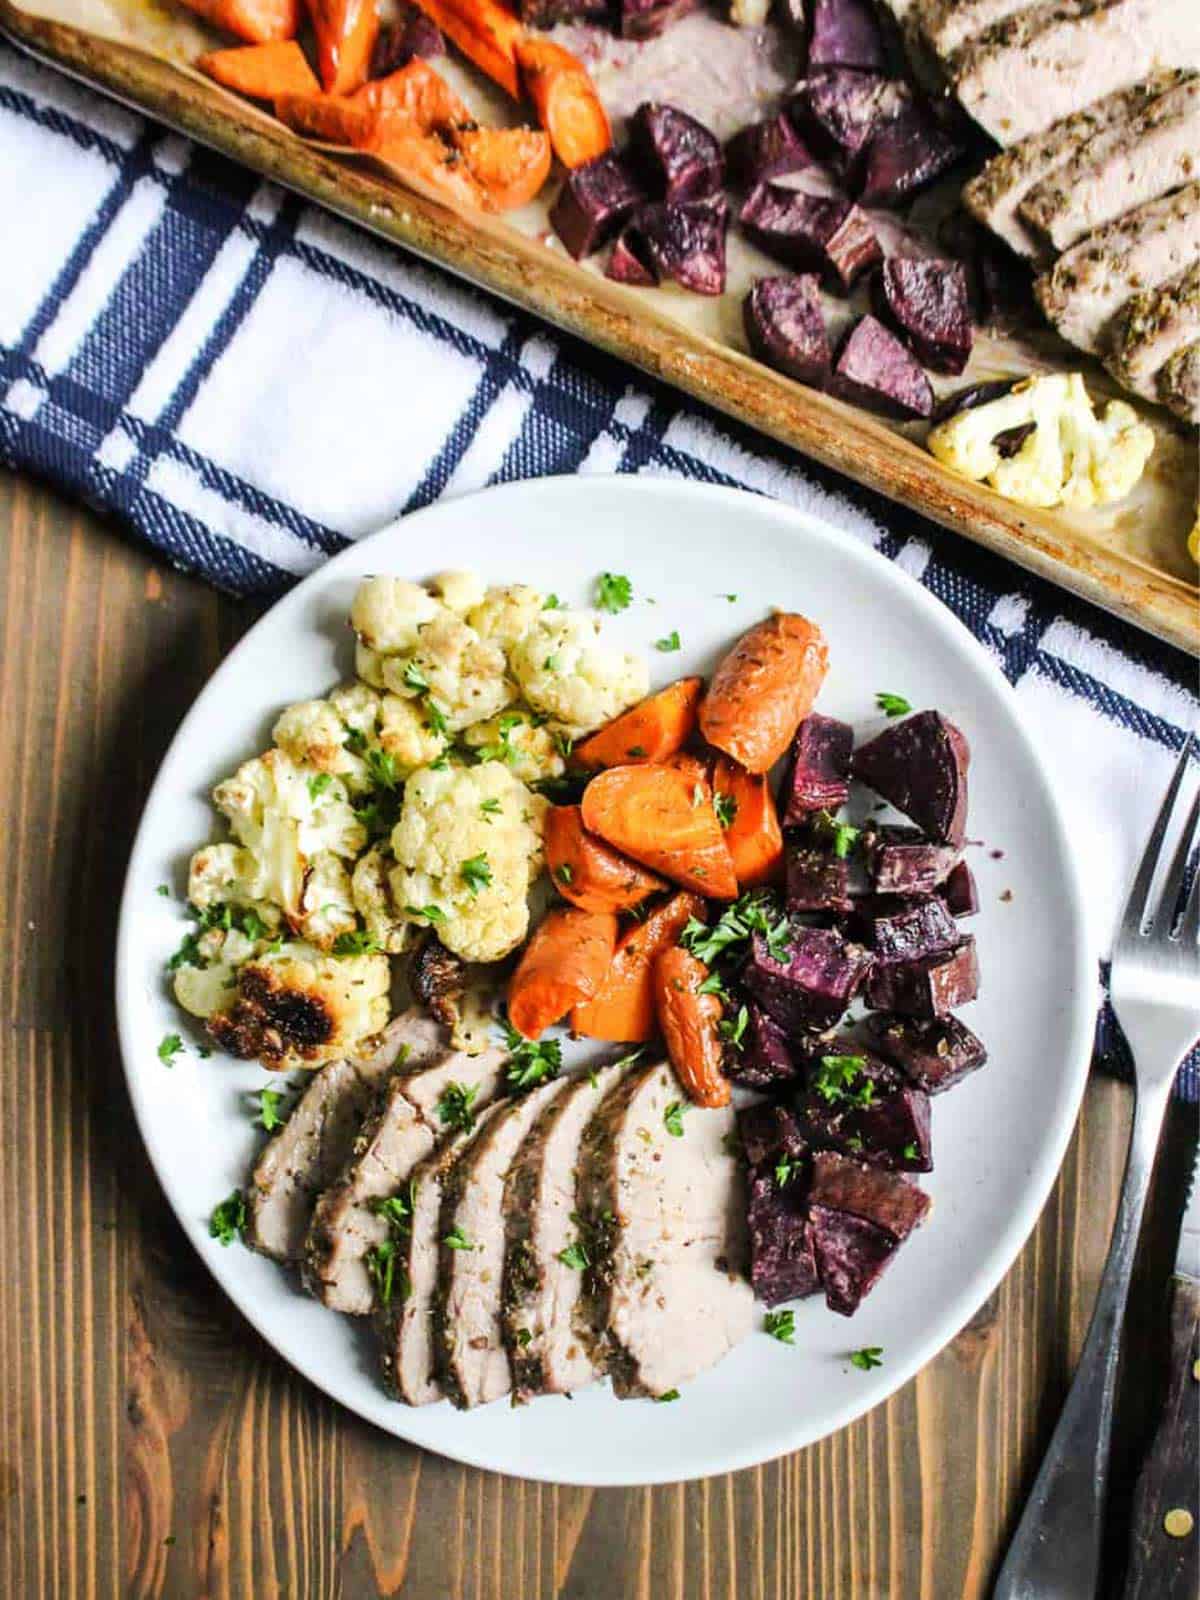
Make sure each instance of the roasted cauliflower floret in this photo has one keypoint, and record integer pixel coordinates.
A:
(327, 903)
(405, 734)
(371, 886)
(208, 984)
(460, 591)
(1070, 456)
(357, 706)
(296, 1007)
(229, 874)
(532, 751)
(468, 844)
(506, 613)
(313, 734)
(565, 672)
(387, 613)
(458, 677)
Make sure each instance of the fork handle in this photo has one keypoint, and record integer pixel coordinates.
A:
(1055, 1553)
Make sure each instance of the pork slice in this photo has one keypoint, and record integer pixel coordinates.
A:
(664, 1224)
(1149, 330)
(469, 1353)
(1126, 165)
(313, 1145)
(994, 194)
(400, 1132)
(1179, 383)
(1089, 283)
(946, 25)
(1054, 58)
(541, 1291)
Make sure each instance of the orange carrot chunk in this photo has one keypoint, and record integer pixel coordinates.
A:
(662, 818)
(415, 98)
(690, 1023)
(623, 1009)
(564, 963)
(487, 34)
(334, 119)
(745, 808)
(763, 689)
(565, 100)
(433, 167)
(256, 21)
(345, 33)
(509, 164)
(653, 730)
(588, 872)
(262, 71)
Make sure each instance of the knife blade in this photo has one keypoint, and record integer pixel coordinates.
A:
(1164, 1558)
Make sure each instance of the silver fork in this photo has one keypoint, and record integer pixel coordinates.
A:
(1155, 986)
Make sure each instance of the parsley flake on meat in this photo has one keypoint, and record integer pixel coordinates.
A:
(575, 1256)
(530, 1061)
(673, 1119)
(269, 1101)
(396, 1209)
(670, 643)
(781, 1325)
(168, 1048)
(892, 705)
(614, 592)
(869, 1356)
(456, 1239)
(381, 1269)
(455, 1106)
(228, 1220)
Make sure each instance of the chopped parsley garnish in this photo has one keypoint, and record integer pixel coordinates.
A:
(454, 1108)
(228, 1220)
(785, 1171)
(673, 1119)
(869, 1356)
(164, 889)
(634, 1055)
(531, 1061)
(523, 1337)
(840, 835)
(318, 783)
(910, 1152)
(551, 603)
(357, 942)
(726, 807)
(169, 1047)
(552, 663)
(781, 1325)
(575, 1256)
(503, 748)
(712, 985)
(269, 1101)
(414, 678)
(669, 643)
(835, 1077)
(562, 742)
(671, 1394)
(431, 913)
(613, 591)
(381, 1269)
(730, 597)
(396, 1209)
(563, 873)
(636, 750)
(456, 1239)
(490, 808)
(476, 873)
(756, 912)
(893, 705)
(435, 716)
(734, 1031)
(381, 768)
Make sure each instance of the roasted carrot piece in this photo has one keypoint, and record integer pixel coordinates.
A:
(692, 767)
(745, 807)
(486, 33)
(653, 730)
(431, 166)
(690, 1023)
(623, 1010)
(565, 99)
(564, 963)
(345, 32)
(262, 71)
(416, 95)
(763, 688)
(256, 21)
(510, 164)
(588, 872)
(333, 118)
(661, 818)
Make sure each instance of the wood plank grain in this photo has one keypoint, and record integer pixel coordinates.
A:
(150, 1444)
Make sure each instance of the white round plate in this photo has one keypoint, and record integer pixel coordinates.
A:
(707, 562)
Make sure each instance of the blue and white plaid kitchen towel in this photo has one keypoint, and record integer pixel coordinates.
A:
(250, 384)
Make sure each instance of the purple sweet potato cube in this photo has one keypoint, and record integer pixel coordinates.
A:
(926, 303)
(906, 930)
(892, 1131)
(768, 149)
(816, 878)
(875, 371)
(411, 34)
(592, 204)
(813, 985)
(920, 766)
(646, 19)
(819, 768)
(935, 1055)
(781, 1256)
(769, 1133)
(906, 153)
(629, 261)
(850, 1255)
(929, 987)
(816, 233)
(888, 1200)
(677, 156)
(845, 33)
(786, 328)
(901, 861)
(685, 243)
(960, 891)
(840, 109)
(766, 1058)
(545, 13)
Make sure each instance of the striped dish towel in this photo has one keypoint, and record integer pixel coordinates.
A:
(250, 385)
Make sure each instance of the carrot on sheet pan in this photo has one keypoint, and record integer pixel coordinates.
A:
(336, 119)
(345, 33)
(486, 33)
(763, 689)
(416, 94)
(745, 807)
(256, 21)
(262, 71)
(653, 730)
(434, 167)
(664, 818)
(565, 99)
(690, 1023)
(510, 164)
(564, 963)
(588, 872)
(622, 1011)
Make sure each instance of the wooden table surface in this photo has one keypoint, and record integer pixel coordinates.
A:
(151, 1444)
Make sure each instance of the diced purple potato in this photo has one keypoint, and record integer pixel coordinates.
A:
(781, 1256)
(928, 987)
(884, 1198)
(850, 1255)
(906, 153)
(769, 1132)
(766, 1058)
(875, 371)
(893, 1132)
(629, 261)
(907, 930)
(819, 768)
(999, 281)
(593, 203)
(934, 1055)
(901, 861)
(975, 394)
(545, 13)
(960, 891)
(816, 233)
(920, 766)
(646, 19)
(812, 987)
(926, 303)
(677, 156)
(817, 879)
(769, 149)
(844, 33)
(686, 243)
(786, 329)
(842, 109)
(397, 43)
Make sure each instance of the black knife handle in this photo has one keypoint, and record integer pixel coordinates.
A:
(1163, 1566)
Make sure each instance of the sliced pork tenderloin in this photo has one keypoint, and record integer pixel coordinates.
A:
(1123, 167)
(947, 25)
(311, 1148)
(1151, 328)
(412, 1115)
(1179, 383)
(469, 1354)
(1088, 284)
(663, 1219)
(994, 194)
(541, 1291)
(1052, 59)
